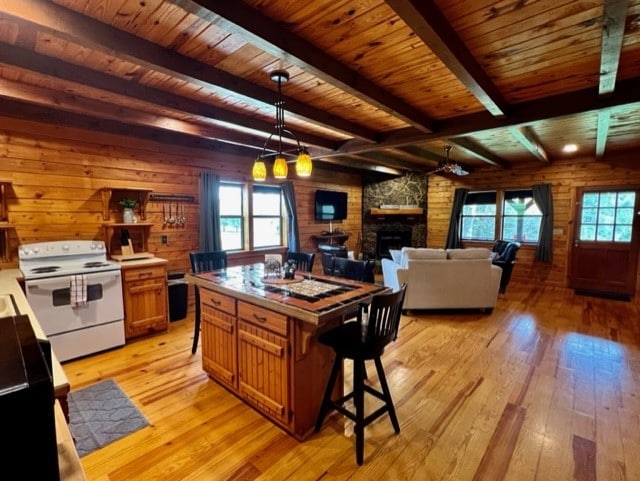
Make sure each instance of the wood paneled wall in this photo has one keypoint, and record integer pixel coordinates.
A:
(57, 174)
(564, 176)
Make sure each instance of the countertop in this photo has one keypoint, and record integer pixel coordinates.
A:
(70, 466)
(149, 262)
(309, 297)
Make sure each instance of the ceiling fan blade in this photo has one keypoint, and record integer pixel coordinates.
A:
(435, 171)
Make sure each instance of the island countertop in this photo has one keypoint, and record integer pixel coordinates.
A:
(308, 297)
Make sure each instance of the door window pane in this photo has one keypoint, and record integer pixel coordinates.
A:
(607, 216)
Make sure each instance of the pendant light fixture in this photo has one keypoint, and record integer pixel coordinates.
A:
(280, 167)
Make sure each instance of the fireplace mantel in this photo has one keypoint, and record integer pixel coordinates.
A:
(399, 211)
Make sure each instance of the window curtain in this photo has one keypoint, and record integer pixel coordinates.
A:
(453, 237)
(209, 213)
(293, 238)
(542, 197)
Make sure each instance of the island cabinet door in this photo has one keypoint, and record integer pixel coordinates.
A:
(219, 337)
(219, 353)
(263, 361)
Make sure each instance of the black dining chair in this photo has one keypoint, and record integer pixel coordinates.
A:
(362, 340)
(355, 270)
(304, 260)
(204, 262)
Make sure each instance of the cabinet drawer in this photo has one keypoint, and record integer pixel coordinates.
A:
(142, 274)
(263, 317)
(218, 301)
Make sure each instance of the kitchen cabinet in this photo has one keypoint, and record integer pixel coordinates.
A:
(144, 289)
(219, 343)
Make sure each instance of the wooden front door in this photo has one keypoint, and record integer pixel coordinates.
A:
(604, 256)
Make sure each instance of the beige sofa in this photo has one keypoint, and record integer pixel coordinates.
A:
(444, 279)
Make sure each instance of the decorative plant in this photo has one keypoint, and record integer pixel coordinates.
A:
(128, 203)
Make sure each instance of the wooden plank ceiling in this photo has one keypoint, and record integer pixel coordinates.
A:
(372, 83)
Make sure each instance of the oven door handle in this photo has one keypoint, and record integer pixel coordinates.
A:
(62, 281)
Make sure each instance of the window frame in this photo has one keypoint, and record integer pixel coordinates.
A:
(247, 189)
(499, 216)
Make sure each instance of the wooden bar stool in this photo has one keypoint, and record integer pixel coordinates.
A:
(360, 341)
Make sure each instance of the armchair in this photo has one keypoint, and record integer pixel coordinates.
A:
(505, 258)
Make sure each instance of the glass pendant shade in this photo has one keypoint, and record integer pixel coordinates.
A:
(303, 164)
(259, 170)
(280, 168)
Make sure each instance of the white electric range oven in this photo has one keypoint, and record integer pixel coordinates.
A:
(76, 294)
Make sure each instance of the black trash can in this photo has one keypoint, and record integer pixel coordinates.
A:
(178, 292)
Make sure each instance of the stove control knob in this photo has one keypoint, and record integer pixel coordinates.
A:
(36, 250)
(65, 247)
(100, 246)
(92, 246)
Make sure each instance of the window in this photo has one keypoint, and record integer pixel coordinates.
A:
(518, 219)
(479, 216)
(231, 219)
(267, 216)
(607, 216)
(520, 216)
(261, 218)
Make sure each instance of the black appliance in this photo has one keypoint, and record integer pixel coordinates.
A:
(330, 205)
(27, 402)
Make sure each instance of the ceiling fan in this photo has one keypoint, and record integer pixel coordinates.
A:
(448, 166)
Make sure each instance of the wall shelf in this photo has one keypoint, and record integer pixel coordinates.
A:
(139, 235)
(140, 194)
(5, 255)
(332, 239)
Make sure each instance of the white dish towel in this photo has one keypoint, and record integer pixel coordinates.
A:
(78, 290)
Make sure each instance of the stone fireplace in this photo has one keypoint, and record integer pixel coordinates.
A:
(381, 233)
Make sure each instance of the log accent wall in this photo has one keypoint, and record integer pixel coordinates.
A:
(56, 175)
(564, 177)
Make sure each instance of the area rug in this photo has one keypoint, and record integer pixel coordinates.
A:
(100, 414)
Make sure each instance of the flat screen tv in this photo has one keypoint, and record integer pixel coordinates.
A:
(331, 205)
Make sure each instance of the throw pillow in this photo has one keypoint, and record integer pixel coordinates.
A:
(470, 253)
(424, 253)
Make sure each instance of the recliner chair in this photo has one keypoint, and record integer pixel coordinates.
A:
(506, 258)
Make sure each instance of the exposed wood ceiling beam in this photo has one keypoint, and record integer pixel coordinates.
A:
(422, 153)
(428, 22)
(390, 161)
(401, 153)
(602, 132)
(68, 102)
(34, 62)
(528, 138)
(261, 31)
(21, 110)
(581, 101)
(479, 151)
(615, 14)
(64, 23)
(359, 163)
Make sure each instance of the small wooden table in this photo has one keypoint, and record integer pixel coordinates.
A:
(259, 339)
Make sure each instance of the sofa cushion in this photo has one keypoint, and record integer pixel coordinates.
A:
(423, 253)
(470, 253)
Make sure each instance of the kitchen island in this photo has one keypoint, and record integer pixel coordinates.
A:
(259, 337)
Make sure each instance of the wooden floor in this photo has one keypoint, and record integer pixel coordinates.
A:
(545, 388)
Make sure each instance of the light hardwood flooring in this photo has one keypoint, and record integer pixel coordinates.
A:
(545, 388)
